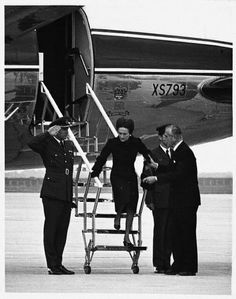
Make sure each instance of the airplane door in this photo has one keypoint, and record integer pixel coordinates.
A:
(81, 54)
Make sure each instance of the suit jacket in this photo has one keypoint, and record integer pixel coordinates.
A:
(158, 193)
(57, 183)
(183, 177)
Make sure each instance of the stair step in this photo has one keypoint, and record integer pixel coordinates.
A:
(111, 231)
(82, 138)
(103, 215)
(92, 154)
(74, 123)
(80, 184)
(117, 248)
(79, 123)
(106, 168)
(90, 199)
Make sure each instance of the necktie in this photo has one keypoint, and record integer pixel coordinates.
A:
(62, 144)
(167, 153)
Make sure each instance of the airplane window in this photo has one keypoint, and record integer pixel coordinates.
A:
(22, 51)
(20, 86)
(19, 112)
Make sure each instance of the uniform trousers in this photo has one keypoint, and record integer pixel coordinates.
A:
(57, 217)
(162, 238)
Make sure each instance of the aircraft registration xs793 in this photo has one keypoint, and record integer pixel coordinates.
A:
(153, 78)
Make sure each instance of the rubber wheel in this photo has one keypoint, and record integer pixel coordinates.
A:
(135, 269)
(87, 269)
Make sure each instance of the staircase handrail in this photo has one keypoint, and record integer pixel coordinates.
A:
(90, 91)
(70, 133)
(11, 114)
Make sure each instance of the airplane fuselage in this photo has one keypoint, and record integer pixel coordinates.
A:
(152, 78)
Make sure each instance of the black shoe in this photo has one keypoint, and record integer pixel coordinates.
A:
(128, 244)
(171, 272)
(187, 273)
(160, 271)
(73, 205)
(66, 271)
(55, 271)
(116, 224)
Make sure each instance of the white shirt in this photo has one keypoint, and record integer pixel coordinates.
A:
(166, 149)
(59, 141)
(176, 146)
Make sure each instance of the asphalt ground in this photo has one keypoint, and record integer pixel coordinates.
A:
(26, 272)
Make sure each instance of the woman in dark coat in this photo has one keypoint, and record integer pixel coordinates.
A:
(124, 150)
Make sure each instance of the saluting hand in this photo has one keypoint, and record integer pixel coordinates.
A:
(54, 130)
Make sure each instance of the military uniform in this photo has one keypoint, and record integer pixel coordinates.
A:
(58, 162)
(56, 192)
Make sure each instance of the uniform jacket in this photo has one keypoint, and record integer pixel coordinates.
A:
(183, 177)
(158, 193)
(58, 162)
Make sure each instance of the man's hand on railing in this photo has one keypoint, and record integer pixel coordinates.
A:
(150, 179)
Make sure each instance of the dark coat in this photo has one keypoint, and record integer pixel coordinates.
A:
(123, 156)
(158, 193)
(57, 183)
(183, 177)
(123, 175)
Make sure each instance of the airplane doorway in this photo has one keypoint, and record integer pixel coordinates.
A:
(66, 44)
(83, 64)
(54, 41)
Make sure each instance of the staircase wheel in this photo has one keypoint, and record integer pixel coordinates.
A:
(135, 269)
(87, 269)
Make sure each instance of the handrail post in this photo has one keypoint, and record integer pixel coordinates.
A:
(140, 217)
(85, 201)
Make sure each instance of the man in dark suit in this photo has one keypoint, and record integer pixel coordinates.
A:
(159, 201)
(57, 154)
(186, 199)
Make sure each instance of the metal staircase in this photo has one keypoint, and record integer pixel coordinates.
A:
(81, 192)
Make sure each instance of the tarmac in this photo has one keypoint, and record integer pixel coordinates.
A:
(111, 275)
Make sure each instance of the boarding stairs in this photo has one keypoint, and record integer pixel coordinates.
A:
(86, 207)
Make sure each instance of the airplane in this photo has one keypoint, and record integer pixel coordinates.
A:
(153, 78)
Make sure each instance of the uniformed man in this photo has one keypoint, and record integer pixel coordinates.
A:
(57, 154)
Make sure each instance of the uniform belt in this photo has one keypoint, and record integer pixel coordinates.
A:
(66, 171)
